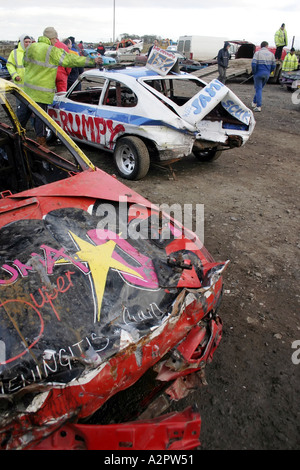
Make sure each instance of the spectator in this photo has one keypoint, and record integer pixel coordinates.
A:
(101, 49)
(15, 60)
(155, 43)
(41, 60)
(76, 71)
(223, 61)
(16, 68)
(62, 72)
(290, 62)
(281, 40)
(263, 64)
(80, 47)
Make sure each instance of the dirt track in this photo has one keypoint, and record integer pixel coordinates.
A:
(251, 199)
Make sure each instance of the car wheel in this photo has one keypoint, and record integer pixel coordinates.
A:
(207, 155)
(131, 158)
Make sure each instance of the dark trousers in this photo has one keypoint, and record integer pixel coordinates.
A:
(278, 52)
(24, 114)
(222, 74)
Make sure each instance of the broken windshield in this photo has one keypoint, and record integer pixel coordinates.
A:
(178, 90)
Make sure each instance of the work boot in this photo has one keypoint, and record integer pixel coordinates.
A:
(42, 141)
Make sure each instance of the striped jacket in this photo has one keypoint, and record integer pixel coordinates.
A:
(263, 62)
(281, 38)
(41, 60)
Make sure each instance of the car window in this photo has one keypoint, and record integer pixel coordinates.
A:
(177, 90)
(88, 91)
(118, 94)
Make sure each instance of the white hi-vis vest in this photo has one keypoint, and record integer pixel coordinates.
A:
(41, 60)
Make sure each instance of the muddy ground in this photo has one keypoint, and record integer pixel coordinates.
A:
(251, 201)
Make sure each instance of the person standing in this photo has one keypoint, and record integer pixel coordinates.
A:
(281, 40)
(263, 64)
(290, 62)
(62, 72)
(16, 68)
(155, 43)
(41, 60)
(80, 47)
(76, 71)
(15, 60)
(223, 61)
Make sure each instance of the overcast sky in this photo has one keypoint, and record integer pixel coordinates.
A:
(94, 20)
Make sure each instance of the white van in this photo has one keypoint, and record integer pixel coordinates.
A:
(200, 47)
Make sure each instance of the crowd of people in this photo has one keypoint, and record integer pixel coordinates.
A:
(263, 63)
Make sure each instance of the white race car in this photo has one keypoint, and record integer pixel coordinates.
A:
(140, 115)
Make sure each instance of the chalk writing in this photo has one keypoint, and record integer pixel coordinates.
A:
(243, 114)
(60, 360)
(205, 96)
(153, 312)
(51, 257)
(48, 297)
(10, 309)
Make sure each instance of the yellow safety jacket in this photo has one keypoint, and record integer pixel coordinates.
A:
(290, 62)
(281, 38)
(15, 64)
(41, 60)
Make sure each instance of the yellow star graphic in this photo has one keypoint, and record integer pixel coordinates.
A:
(99, 258)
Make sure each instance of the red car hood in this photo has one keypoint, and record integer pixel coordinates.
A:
(92, 184)
(87, 310)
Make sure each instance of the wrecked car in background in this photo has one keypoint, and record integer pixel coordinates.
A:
(290, 79)
(109, 306)
(125, 46)
(140, 115)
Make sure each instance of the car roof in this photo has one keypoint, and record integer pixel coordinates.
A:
(134, 72)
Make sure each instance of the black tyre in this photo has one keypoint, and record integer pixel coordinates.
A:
(131, 158)
(207, 155)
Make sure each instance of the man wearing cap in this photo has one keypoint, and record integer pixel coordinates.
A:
(41, 61)
(281, 40)
(290, 62)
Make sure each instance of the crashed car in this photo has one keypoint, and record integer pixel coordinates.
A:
(109, 306)
(290, 79)
(123, 47)
(141, 115)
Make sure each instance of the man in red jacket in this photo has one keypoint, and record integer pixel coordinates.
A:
(62, 72)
